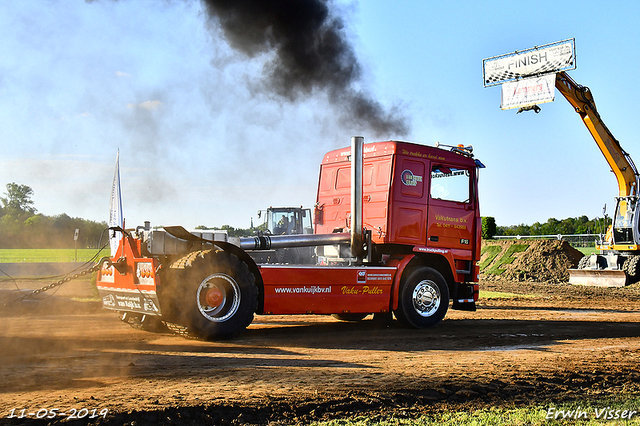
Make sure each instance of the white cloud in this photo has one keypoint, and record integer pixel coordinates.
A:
(122, 74)
(148, 105)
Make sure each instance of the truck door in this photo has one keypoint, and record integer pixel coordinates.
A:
(451, 213)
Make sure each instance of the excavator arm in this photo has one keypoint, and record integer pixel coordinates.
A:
(618, 262)
(621, 164)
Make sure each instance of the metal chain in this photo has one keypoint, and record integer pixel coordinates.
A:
(64, 280)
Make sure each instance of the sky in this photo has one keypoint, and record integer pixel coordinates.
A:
(207, 138)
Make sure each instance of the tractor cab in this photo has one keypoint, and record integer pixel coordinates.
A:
(287, 220)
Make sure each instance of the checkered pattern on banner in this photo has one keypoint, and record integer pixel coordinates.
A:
(504, 76)
(553, 57)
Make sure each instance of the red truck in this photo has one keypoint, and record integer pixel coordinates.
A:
(397, 230)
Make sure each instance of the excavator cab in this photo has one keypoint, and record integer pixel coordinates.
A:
(625, 223)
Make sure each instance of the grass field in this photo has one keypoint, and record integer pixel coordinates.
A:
(621, 411)
(587, 250)
(501, 295)
(49, 255)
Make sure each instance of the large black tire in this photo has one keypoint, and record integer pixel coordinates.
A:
(210, 294)
(632, 267)
(584, 262)
(424, 298)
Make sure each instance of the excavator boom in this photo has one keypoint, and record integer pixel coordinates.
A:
(621, 164)
(616, 265)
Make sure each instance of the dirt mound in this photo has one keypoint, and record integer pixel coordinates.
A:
(528, 260)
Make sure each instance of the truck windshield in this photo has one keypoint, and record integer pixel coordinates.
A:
(450, 183)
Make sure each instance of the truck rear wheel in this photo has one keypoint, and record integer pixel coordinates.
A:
(424, 298)
(212, 293)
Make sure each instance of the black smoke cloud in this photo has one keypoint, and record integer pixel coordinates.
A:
(311, 53)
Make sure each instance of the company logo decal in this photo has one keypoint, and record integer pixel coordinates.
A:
(409, 179)
(303, 290)
(431, 250)
(361, 290)
(108, 300)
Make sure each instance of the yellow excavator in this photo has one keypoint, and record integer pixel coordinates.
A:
(618, 260)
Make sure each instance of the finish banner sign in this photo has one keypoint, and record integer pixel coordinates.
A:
(550, 58)
(528, 92)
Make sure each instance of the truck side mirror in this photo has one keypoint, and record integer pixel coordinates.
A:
(318, 216)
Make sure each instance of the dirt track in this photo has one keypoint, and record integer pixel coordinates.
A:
(565, 343)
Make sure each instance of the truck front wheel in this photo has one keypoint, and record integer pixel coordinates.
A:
(424, 298)
(213, 294)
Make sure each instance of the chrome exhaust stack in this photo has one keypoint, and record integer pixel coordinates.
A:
(357, 161)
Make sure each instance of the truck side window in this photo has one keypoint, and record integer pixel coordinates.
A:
(450, 183)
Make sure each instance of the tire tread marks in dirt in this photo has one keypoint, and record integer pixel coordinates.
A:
(447, 396)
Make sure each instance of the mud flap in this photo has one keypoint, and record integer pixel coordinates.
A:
(598, 278)
(465, 297)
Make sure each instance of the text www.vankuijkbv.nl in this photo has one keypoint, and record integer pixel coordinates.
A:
(303, 290)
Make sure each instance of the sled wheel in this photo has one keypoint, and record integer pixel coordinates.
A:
(213, 294)
(349, 317)
(142, 322)
(424, 298)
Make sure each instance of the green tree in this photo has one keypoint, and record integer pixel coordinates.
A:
(514, 230)
(21, 227)
(17, 201)
(553, 226)
(488, 227)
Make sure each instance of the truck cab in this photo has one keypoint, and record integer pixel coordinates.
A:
(416, 199)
